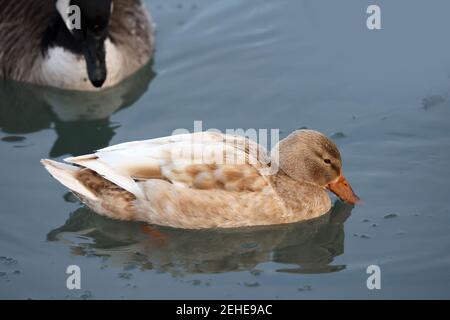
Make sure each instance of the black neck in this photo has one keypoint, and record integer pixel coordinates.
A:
(57, 35)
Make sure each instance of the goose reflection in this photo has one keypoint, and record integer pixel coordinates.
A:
(306, 247)
(80, 119)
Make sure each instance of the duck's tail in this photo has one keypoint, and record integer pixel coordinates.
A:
(99, 194)
(68, 176)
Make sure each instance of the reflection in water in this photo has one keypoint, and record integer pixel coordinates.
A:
(80, 119)
(306, 247)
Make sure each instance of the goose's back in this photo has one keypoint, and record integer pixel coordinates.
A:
(132, 30)
(22, 27)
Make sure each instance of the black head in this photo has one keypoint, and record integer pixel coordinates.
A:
(88, 22)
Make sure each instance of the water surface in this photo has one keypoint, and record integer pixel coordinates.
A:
(382, 95)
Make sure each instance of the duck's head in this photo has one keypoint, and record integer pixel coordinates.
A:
(90, 34)
(307, 155)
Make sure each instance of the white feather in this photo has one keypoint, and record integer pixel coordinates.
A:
(117, 163)
(112, 174)
(66, 174)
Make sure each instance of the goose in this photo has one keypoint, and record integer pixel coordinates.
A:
(209, 180)
(40, 45)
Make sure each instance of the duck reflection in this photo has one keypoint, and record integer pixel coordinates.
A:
(80, 119)
(306, 247)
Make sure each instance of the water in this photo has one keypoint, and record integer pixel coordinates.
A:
(382, 95)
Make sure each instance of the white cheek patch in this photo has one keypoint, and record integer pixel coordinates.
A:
(71, 14)
(63, 8)
(64, 69)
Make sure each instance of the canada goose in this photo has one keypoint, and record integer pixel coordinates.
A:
(195, 181)
(115, 38)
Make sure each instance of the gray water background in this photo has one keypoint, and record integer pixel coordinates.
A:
(382, 95)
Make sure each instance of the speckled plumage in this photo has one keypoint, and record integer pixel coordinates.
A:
(203, 180)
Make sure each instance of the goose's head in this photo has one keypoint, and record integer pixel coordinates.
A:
(307, 155)
(90, 33)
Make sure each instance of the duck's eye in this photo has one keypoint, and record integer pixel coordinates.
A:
(327, 161)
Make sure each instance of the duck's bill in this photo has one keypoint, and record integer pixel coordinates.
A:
(344, 191)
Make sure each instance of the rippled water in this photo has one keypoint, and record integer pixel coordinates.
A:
(382, 95)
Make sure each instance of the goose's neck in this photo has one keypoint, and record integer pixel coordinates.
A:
(57, 34)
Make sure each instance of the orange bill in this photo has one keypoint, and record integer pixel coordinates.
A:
(343, 190)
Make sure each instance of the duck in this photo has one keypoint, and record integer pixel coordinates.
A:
(207, 180)
(42, 43)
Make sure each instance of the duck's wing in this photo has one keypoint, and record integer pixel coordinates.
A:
(203, 160)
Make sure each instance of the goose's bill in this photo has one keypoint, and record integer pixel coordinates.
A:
(344, 191)
(95, 55)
